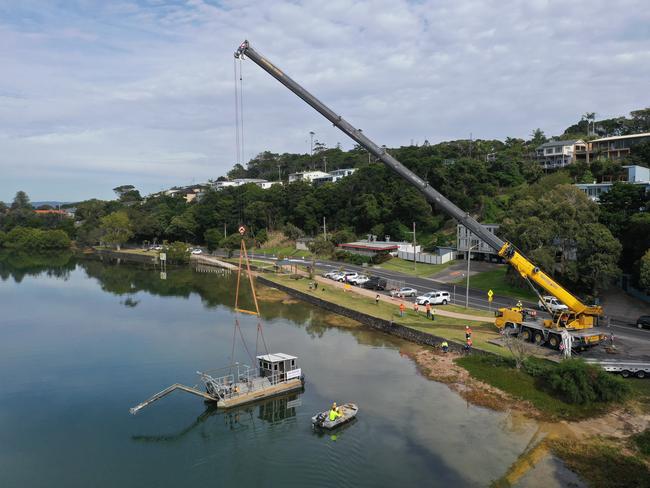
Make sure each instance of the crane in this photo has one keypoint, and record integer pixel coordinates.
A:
(579, 319)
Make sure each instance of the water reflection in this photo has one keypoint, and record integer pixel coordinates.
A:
(18, 264)
(213, 421)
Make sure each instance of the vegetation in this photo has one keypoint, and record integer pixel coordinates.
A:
(572, 389)
(116, 228)
(406, 267)
(497, 281)
(602, 463)
(34, 239)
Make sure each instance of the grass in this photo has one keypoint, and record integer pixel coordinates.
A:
(423, 270)
(602, 463)
(286, 251)
(523, 386)
(495, 280)
(448, 327)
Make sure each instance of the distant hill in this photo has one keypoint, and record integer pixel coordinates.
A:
(50, 203)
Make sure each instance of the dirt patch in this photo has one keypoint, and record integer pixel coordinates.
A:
(441, 367)
(268, 294)
(335, 320)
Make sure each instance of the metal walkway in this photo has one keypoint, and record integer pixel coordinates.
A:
(167, 391)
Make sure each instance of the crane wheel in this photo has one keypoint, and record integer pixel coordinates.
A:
(554, 342)
(539, 338)
(625, 373)
(640, 374)
(525, 335)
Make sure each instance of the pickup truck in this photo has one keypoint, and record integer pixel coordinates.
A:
(552, 303)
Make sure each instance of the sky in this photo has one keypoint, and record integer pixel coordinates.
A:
(96, 94)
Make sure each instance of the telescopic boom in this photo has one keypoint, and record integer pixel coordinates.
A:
(506, 250)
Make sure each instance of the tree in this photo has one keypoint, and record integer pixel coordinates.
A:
(644, 273)
(212, 238)
(21, 202)
(127, 193)
(116, 228)
(538, 137)
(178, 253)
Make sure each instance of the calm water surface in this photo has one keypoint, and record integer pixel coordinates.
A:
(82, 341)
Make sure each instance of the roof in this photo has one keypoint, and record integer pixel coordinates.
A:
(275, 357)
(372, 246)
(56, 212)
(629, 136)
(566, 142)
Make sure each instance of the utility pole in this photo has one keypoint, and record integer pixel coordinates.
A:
(324, 229)
(469, 258)
(325, 163)
(279, 174)
(225, 233)
(415, 261)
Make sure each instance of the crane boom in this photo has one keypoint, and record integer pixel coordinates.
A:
(505, 249)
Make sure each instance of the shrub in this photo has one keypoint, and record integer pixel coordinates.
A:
(381, 258)
(292, 232)
(321, 246)
(578, 382)
(536, 368)
(642, 441)
(212, 238)
(177, 253)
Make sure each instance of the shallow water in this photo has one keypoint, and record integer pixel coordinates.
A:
(81, 342)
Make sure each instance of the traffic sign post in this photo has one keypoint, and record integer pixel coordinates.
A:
(242, 230)
(490, 295)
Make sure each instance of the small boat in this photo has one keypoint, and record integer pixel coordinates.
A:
(322, 419)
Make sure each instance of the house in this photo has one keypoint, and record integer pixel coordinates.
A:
(558, 154)
(480, 250)
(369, 248)
(264, 184)
(60, 213)
(440, 256)
(636, 175)
(616, 147)
(308, 176)
(337, 174)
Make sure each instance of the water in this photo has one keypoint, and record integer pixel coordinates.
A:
(82, 341)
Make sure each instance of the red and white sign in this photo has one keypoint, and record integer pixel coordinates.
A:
(242, 230)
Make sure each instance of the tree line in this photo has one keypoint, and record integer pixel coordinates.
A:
(584, 245)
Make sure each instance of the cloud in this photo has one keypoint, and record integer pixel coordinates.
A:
(142, 92)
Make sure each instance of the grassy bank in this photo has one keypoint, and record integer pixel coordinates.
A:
(422, 270)
(495, 280)
(448, 327)
(525, 387)
(604, 463)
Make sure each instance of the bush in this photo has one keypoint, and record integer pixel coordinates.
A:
(642, 441)
(536, 368)
(292, 232)
(575, 381)
(321, 246)
(262, 236)
(212, 238)
(381, 258)
(35, 239)
(177, 253)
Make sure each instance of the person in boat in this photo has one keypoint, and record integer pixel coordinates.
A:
(335, 412)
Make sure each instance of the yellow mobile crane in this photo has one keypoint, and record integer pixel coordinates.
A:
(579, 320)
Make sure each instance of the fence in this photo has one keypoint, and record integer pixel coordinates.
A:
(423, 257)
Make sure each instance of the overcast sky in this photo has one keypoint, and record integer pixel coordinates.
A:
(98, 94)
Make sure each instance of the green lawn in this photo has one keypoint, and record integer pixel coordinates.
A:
(448, 327)
(495, 280)
(422, 270)
(287, 251)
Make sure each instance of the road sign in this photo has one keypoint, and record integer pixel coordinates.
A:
(162, 256)
(242, 230)
(490, 295)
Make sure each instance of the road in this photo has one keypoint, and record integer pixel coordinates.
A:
(632, 342)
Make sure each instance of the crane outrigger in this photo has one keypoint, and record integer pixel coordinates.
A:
(580, 318)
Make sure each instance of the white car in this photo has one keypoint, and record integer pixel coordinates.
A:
(350, 275)
(435, 297)
(552, 303)
(337, 276)
(329, 274)
(197, 251)
(358, 280)
(405, 291)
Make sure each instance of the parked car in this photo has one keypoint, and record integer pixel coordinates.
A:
(197, 251)
(643, 321)
(358, 280)
(349, 275)
(329, 274)
(405, 291)
(336, 276)
(375, 283)
(435, 297)
(552, 303)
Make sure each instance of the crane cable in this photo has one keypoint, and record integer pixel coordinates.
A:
(237, 142)
(239, 112)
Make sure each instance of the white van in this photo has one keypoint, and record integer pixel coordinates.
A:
(435, 297)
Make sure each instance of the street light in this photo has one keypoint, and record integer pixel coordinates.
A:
(469, 259)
